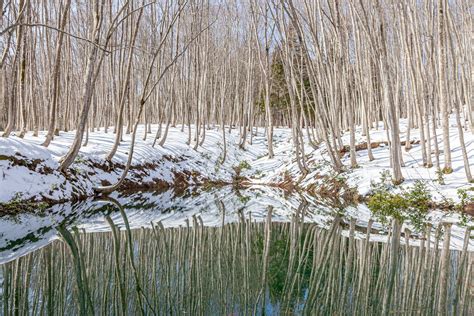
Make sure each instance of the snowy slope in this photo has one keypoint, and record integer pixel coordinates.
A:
(17, 181)
(368, 171)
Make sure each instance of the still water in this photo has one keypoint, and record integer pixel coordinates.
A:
(225, 252)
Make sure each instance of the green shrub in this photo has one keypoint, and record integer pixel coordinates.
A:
(410, 204)
(466, 196)
(386, 205)
(440, 177)
(418, 198)
(244, 199)
(79, 159)
(244, 165)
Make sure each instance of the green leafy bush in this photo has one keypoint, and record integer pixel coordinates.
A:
(244, 165)
(440, 177)
(79, 159)
(467, 197)
(410, 204)
(418, 198)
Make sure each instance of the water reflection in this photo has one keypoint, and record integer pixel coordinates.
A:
(236, 268)
(24, 233)
(27, 232)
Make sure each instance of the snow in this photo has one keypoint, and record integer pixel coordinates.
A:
(205, 160)
(18, 180)
(369, 171)
(176, 156)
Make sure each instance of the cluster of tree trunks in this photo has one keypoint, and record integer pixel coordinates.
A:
(318, 67)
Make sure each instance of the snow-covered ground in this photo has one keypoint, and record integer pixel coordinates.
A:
(40, 179)
(17, 181)
(368, 171)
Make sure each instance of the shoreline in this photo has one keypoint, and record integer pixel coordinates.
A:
(29, 175)
(333, 190)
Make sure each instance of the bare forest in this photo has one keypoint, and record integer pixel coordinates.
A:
(320, 68)
(234, 157)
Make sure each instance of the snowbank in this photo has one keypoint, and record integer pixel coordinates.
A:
(28, 171)
(272, 170)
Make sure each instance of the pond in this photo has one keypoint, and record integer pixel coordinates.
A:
(224, 251)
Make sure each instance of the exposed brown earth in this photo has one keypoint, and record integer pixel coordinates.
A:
(469, 209)
(33, 165)
(328, 187)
